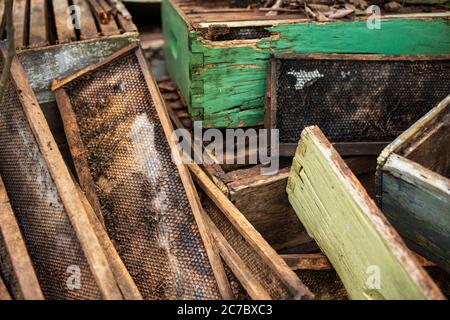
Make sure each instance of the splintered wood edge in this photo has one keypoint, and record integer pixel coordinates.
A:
(59, 172)
(380, 223)
(186, 179)
(250, 234)
(17, 251)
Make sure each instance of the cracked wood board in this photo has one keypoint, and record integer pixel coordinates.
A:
(350, 230)
(413, 181)
(224, 82)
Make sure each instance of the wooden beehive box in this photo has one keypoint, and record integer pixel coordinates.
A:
(218, 56)
(413, 180)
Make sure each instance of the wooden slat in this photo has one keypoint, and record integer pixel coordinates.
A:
(17, 252)
(88, 28)
(19, 18)
(366, 251)
(92, 249)
(65, 31)
(38, 20)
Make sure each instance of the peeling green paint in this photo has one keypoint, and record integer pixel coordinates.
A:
(225, 86)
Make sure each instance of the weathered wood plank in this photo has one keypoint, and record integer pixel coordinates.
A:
(38, 21)
(88, 28)
(19, 17)
(65, 31)
(14, 244)
(248, 232)
(367, 253)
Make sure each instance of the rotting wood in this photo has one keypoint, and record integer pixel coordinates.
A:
(361, 244)
(93, 252)
(413, 185)
(22, 267)
(318, 261)
(270, 212)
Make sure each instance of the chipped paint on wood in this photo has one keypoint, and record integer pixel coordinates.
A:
(43, 65)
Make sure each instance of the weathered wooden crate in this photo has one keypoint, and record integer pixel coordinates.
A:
(218, 56)
(413, 185)
(366, 251)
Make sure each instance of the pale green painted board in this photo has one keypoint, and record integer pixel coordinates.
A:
(357, 239)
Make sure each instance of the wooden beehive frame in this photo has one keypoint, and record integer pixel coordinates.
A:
(17, 251)
(108, 271)
(202, 16)
(344, 148)
(412, 189)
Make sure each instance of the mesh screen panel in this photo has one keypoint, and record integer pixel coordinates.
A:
(146, 209)
(356, 100)
(263, 273)
(46, 228)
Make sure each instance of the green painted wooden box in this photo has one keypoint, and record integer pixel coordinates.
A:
(218, 56)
